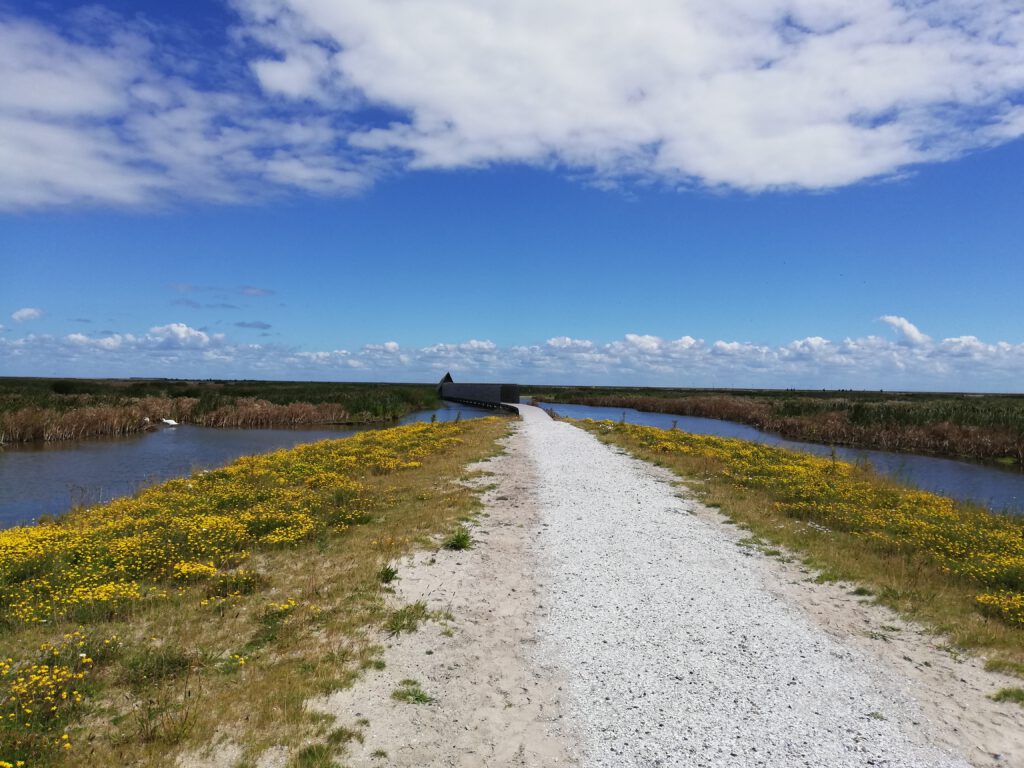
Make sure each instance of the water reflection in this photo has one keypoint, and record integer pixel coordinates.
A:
(996, 488)
(49, 478)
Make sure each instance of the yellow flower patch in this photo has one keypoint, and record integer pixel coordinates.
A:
(99, 562)
(108, 556)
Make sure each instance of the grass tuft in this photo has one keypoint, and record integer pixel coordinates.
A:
(1015, 695)
(314, 756)
(410, 692)
(407, 618)
(149, 665)
(1005, 666)
(340, 736)
(458, 539)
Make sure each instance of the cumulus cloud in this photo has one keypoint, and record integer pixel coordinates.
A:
(963, 363)
(26, 313)
(175, 342)
(567, 342)
(750, 95)
(181, 336)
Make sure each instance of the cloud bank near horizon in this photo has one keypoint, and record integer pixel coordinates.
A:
(325, 98)
(907, 359)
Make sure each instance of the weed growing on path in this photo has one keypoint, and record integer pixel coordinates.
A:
(459, 539)
(1010, 694)
(407, 618)
(410, 692)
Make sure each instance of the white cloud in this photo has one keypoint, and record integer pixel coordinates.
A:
(123, 119)
(736, 93)
(26, 313)
(907, 330)
(777, 93)
(569, 343)
(871, 362)
(296, 76)
(181, 336)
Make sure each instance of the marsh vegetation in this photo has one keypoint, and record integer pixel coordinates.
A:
(72, 409)
(980, 427)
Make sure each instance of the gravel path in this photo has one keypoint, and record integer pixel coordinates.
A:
(677, 654)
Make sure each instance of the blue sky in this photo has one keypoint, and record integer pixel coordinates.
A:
(302, 190)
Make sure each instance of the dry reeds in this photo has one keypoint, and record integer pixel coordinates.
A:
(50, 424)
(829, 421)
(251, 412)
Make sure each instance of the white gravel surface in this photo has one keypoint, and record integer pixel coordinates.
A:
(675, 651)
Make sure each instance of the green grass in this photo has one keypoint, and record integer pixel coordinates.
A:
(407, 618)
(314, 756)
(458, 539)
(1005, 666)
(379, 401)
(1009, 694)
(340, 736)
(149, 665)
(409, 691)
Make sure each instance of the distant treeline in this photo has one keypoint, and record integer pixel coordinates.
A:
(72, 409)
(985, 427)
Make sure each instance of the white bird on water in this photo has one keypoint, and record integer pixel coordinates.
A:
(169, 422)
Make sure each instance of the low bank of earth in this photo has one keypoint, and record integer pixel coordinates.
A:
(604, 617)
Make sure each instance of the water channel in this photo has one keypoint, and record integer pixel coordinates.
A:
(999, 489)
(49, 478)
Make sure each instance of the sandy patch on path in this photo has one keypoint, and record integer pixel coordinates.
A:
(493, 704)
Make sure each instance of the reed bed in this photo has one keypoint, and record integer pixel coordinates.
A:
(34, 410)
(47, 424)
(957, 565)
(979, 428)
(217, 603)
(252, 413)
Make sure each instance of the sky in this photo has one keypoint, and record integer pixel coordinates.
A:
(729, 193)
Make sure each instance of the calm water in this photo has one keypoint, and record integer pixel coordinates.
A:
(49, 478)
(996, 488)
